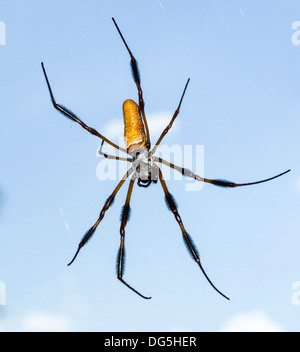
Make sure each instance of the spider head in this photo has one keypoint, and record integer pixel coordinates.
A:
(143, 183)
(146, 183)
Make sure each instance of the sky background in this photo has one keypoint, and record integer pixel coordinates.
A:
(242, 105)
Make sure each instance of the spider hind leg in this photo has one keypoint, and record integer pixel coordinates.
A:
(120, 264)
(186, 237)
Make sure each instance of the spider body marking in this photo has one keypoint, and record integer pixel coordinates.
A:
(135, 140)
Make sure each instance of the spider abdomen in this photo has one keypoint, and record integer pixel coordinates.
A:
(134, 132)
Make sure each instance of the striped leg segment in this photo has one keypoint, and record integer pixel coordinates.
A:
(106, 206)
(121, 254)
(186, 237)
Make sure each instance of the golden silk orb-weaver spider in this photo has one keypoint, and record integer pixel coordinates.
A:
(144, 167)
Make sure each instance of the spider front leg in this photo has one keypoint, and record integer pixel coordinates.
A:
(166, 130)
(108, 156)
(121, 254)
(73, 117)
(137, 80)
(186, 237)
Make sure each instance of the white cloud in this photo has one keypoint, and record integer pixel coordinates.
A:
(113, 129)
(255, 321)
(158, 122)
(46, 322)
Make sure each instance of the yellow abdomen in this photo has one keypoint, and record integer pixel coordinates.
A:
(134, 132)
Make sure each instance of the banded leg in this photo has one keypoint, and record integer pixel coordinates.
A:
(137, 80)
(108, 156)
(73, 117)
(166, 130)
(186, 237)
(106, 206)
(220, 183)
(121, 254)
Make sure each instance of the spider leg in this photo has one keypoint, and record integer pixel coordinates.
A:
(108, 156)
(73, 117)
(137, 80)
(220, 183)
(166, 130)
(121, 253)
(106, 206)
(186, 237)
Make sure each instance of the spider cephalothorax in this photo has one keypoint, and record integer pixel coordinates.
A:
(143, 169)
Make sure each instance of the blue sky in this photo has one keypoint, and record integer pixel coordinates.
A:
(242, 105)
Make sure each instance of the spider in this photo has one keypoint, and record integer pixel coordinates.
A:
(144, 168)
